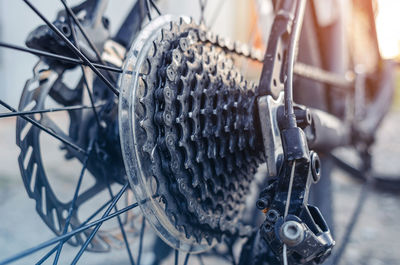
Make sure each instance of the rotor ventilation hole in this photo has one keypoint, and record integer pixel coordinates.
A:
(25, 131)
(27, 157)
(33, 177)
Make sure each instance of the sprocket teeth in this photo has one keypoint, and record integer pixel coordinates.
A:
(193, 36)
(198, 118)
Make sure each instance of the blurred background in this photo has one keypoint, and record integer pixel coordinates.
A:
(376, 238)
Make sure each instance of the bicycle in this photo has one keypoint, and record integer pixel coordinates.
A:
(164, 110)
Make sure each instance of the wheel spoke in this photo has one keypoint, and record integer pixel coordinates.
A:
(73, 202)
(73, 18)
(48, 123)
(147, 2)
(176, 257)
(121, 227)
(97, 227)
(141, 240)
(155, 7)
(186, 259)
(47, 130)
(44, 258)
(72, 47)
(58, 57)
(107, 216)
(86, 84)
(85, 79)
(30, 112)
(89, 193)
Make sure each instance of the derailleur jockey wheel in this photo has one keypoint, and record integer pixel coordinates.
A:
(190, 140)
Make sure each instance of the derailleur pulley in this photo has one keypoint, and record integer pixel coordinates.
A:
(289, 219)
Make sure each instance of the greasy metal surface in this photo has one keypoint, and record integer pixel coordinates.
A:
(198, 135)
(267, 108)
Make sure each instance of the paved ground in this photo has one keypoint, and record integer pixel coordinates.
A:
(375, 241)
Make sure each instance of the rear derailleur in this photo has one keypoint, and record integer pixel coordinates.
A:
(289, 219)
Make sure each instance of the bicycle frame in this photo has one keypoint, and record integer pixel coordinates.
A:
(329, 131)
(288, 133)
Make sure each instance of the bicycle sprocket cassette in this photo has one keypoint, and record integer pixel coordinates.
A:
(189, 133)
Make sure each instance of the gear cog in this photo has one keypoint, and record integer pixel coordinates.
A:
(197, 142)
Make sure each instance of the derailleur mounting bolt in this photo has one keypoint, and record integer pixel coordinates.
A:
(291, 233)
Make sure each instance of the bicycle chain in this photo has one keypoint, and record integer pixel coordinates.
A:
(200, 130)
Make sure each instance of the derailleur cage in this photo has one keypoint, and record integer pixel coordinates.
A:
(303, 230)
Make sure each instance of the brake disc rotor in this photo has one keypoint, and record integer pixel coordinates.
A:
(188, 131)
(41, 182)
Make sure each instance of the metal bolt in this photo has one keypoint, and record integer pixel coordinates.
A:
(272, 215)
(267, 228)
(292, 233)
(315, 167)
(262, 203)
